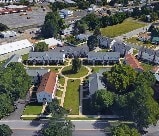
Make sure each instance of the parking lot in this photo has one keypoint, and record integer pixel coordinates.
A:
(35, 17)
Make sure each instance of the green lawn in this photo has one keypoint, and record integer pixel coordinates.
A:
(147, 67)
(25, 57)
(68, 72)
(134, 40)
(59, 93)
(32, 109)
(119, 29)
(61, 80)
(72, 96)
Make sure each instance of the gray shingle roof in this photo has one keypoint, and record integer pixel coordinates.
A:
(46, 56)
(13, 58)
(95, 83)
(120, 47)
(148, 51)
(103, 55)
(104, 41)
(35, 72)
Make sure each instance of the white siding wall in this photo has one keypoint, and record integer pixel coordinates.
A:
(42, 95)
(130, 51)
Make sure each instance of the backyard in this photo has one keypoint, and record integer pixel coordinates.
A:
(72, 97)
(147, 67)
(119, 29)
(33, 109)
(67, 71)
(134, 40)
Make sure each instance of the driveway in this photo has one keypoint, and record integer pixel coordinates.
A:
(17, 113)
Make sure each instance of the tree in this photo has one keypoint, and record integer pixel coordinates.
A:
(92, 42)
(6, 105)
(56, 110)
(58, 128)
(53, 24)
(79, 27)
(97, 31)
(102, 99)
(5, 130)
(58, 125)
(3, 27)
(121, 77)
(124, 130)
(40, 47)
(144, 109)
(15, 80)
(76, 65)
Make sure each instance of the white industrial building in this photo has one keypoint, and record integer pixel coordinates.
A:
(19, 47)
(52, 42)
(7, 34)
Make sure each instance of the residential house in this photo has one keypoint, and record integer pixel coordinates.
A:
(13, 58)
(122, 48)
(133, 62)
(96, 81)
(103, 57)
(79, 51)
(19, 47)
(46, 57)
(146, 36)
(82, 37)
(146, 54)
(47, 89)
(104, 42)
(36, 74)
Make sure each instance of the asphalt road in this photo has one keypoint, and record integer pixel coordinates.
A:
(19, 132)
(82, 128)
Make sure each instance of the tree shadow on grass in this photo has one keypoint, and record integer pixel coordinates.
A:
(68, 72)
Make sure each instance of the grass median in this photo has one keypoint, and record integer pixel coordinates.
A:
(71, 101)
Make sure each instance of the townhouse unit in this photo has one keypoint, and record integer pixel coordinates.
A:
(122, 48)
(46, 58)
(103, 57)
(149, 55)
(47, 89)
(36, 74)
(104, 42)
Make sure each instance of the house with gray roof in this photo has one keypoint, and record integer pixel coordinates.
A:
(104, 42)
(149, 55)
(46, 57)
(122, 48)
(103, 57)
(79, 51)
(96, 81)
(13, 58)
(36, 74)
